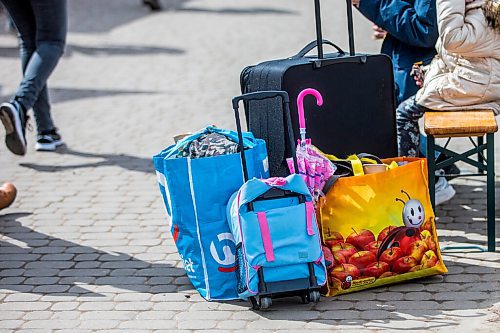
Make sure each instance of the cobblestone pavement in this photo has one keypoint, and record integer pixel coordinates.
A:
(86, 246)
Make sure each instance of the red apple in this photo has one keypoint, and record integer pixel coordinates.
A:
(383, 234)
(333, 238)
(329, 260)
(360, 238)
(345, 249)
(376, 269)
(391, 255)
(429, 259)
(415, 268)
(334, 282)
(405, 242)
(427, 238)
(404, 264)
(417, 250)
(387, 274)
(427, 225)
(341, 271)
(339, 258)
(373, 247)
(362, 259)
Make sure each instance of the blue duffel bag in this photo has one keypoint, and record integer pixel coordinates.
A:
(196, 192)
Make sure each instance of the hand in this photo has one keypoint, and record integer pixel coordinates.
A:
(418, 74)
(378, 32)
(355, 3)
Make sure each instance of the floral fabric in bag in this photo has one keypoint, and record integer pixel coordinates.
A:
(380, 228)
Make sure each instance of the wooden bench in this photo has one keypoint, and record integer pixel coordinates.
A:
(469, 124)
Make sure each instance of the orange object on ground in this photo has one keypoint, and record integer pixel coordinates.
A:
(8, 194)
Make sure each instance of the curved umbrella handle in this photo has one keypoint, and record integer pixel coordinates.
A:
(300, 108)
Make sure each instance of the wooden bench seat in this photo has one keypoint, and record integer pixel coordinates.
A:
(479, 123)
(460, 124)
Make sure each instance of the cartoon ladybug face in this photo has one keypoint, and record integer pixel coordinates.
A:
(413, 214)
(347, 283)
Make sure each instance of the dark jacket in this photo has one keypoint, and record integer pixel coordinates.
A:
(412, 33)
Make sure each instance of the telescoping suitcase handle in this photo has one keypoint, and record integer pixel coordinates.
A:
(260, 95)
(319, 37)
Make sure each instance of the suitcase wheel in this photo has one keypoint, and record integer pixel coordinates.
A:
(265, 303)
(261, 303)
(313, 296)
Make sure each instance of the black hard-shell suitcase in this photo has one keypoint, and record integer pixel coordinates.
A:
(358, 113)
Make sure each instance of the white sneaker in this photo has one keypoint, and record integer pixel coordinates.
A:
(444, 191)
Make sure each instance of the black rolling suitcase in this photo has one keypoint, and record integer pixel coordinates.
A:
(358, 113)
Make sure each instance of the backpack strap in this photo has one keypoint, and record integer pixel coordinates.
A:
(266, 236)
(309, 217)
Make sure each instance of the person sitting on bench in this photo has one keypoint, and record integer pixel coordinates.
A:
(464, 75)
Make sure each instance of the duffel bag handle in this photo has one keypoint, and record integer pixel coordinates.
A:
(312, 45)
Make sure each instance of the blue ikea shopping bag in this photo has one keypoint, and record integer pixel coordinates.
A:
(196, 192)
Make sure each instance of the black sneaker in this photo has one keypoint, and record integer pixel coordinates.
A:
(14, 120)
(449, 172)
(48, 140)
(154, 5)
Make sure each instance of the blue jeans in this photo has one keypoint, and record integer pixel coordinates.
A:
(42, 27)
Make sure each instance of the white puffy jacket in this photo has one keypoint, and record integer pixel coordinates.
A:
(465, 74)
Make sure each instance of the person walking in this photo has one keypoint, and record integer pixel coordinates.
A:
(42, 28)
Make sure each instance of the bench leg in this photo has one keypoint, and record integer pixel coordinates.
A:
(480, 142)
(490, 190)
(431, 165)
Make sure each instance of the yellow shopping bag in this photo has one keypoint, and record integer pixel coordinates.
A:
(379, 227)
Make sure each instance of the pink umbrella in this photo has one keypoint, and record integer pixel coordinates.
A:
(313, 167)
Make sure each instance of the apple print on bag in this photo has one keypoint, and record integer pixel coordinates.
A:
(380, 228)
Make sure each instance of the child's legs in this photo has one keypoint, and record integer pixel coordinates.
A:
(407, 115)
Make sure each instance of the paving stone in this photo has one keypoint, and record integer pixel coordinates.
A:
(96, 306)
(12, 272)
(149, 324)
(340, 314)
(10, 315)
(86, 257)
(84, 272)
(12, 280)
(11, 264)
(47, 289)
(11, 324)
(156, 315)
(38, 315)
(232, 324)
(134, 306)
(88, 264)
(170, 306)
(197, 324)
(59, 256)
(22, 297)
(127, 297)
(64, 306)
(50, 264)
(24, 306)
(99, 324)
(462, 295)
(390, 296)
(111, 315)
